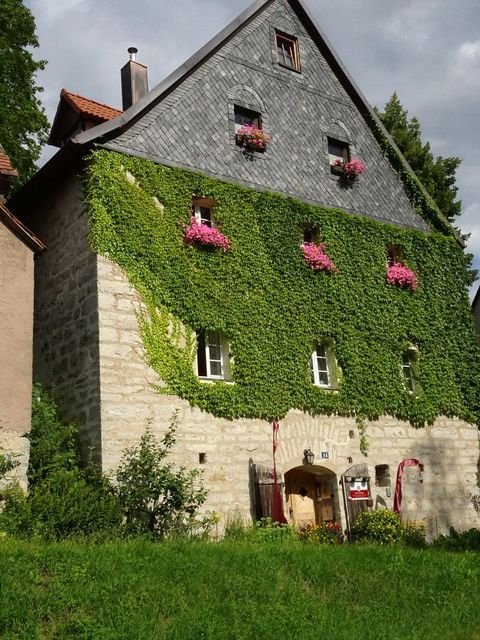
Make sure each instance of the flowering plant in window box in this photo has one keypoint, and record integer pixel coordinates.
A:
(400, 275)
(351, 169)
(201, 234)
(316, 258)
(251, 138)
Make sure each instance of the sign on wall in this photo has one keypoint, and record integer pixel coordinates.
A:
(358, 489)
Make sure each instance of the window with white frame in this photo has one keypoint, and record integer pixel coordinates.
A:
(410, 369)
(322, 365)
(213, 357)
(338, 151)
(202, 211)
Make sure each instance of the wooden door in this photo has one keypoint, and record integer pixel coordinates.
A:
(301, 498)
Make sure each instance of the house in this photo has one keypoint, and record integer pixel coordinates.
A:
(245, 244)
(18, 247)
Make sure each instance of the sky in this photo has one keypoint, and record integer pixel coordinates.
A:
(428, 51)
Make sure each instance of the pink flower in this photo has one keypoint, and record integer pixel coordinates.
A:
(399, 274)
(351, 169)
(316, 258)
(251, 138)
(202, 234)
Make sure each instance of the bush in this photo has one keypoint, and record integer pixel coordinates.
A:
(380, 525)
(327, 533)
(414, 534)
(262, 531)
(459, 541)
(156, 498)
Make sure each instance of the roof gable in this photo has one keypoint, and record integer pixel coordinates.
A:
(76, 113)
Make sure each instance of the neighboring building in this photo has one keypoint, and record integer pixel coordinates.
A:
(362, 359)
(17, 249)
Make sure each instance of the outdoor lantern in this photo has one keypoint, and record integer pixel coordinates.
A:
(308, 456)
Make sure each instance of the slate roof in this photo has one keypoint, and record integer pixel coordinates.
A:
(90, 108)
(6, 168)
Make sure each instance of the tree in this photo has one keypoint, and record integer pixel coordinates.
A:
(23, 123)
(436, 174)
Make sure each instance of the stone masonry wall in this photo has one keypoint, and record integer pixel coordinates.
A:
(448, 449)
(16, 323)
(66, 324)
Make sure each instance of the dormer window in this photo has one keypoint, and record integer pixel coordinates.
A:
(213, 357)
(287, 51)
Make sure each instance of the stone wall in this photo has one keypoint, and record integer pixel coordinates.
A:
(448, 449)
(16, 324)
(66, 324)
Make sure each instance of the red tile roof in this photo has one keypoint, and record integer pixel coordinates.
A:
(90, 108)
(6, 168)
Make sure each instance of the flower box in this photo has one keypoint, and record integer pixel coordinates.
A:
(400, 275)
(251, 138)
(316, 258)
(203, 235)
(349, 170)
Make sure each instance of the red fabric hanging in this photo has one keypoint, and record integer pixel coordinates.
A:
(277, 502)
(409, 462)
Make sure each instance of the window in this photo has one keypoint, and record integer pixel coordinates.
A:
(395, 254)
(213, 359)
(246, 116)
(202, 211)
(311, 234)
(322, 366)
(337, 151)
(287, 51)
(409, 369)
(382, 475)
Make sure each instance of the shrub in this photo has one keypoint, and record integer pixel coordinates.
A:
(459, 541)
(380, 525)
(414, 534)
(156, 498)
(327, 533)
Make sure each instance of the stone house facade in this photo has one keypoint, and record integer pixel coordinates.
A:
(274, 68)
(18, 246)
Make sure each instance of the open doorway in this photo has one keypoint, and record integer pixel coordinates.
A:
(312, 496)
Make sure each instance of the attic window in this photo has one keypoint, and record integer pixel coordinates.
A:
(246, 116)
(287, 51)
(337, 150)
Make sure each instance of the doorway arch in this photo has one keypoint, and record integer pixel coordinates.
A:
(311, 496)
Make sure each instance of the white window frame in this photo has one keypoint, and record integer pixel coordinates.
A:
(344, 157)
(315, 370)
(209, 338)
(198, 215)
(412, 354)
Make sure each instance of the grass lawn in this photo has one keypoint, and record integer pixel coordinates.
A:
(139, 590)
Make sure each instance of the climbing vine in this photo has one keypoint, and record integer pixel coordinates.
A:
(273, 309)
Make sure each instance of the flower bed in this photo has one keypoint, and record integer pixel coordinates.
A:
(251, 138)
(351, 169)
(201, 234)
(400, 275)
(316, 258)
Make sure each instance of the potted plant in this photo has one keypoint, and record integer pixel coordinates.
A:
(200, 234)
(350, 169)
(400, 275)
(251, 138)
(316, 258)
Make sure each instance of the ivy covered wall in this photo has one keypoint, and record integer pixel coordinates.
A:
(273, 308)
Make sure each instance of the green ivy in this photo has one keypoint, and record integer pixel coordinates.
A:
(273, 309)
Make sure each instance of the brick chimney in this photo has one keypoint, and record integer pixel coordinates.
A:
(134, 80)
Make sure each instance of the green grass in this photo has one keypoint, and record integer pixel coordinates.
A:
(139, 590)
